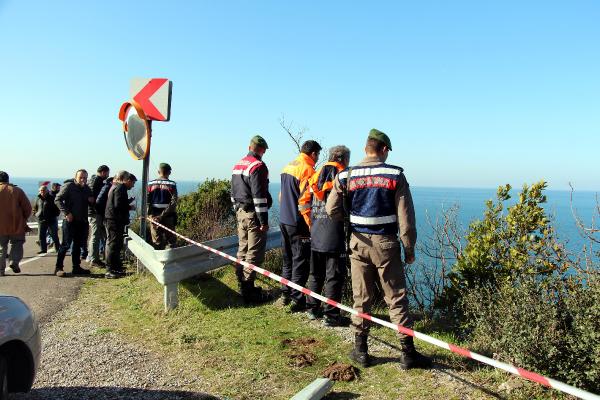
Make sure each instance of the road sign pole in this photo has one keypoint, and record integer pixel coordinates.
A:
(145, 167)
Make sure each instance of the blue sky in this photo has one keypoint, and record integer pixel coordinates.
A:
(472, 93)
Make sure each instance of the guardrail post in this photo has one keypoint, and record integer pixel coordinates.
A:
(171, 298)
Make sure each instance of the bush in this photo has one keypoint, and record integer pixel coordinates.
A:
(520, 296)
(552, 329)
(503, 247)
(207, 213)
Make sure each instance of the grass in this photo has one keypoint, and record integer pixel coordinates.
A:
(234, 351)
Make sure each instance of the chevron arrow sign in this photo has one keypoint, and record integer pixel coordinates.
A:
(154, 96)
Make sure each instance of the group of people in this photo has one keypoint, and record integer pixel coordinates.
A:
(360, 214)
(363, 214)
(95, 212)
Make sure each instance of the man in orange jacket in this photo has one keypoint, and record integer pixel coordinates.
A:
(328, 267)
(294, 225)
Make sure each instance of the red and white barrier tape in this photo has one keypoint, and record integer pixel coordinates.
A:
(532, 376)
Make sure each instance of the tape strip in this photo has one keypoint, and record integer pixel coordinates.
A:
(532, 376)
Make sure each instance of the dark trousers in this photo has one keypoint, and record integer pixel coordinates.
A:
(327, 273)
(114, 244)
(73, 232)
(45, 228)
(296, 259)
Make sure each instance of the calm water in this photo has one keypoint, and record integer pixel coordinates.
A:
(429, 202)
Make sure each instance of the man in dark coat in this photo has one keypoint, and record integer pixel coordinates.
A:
(117, 218)
(47, 214)
(73, 200)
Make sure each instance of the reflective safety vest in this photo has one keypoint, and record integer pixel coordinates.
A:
(294, 182)
(162, 196)
(372, 196)
(250, 187)
(327, 235)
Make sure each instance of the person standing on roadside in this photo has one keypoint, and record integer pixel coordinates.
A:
(162, 208)
(251, 202)
(328, 267)
(47, 214)
(379, 204)
(294, 224)
(15, 210)
(73, 200)
(117, 218)
(54, 189)
(95, 219)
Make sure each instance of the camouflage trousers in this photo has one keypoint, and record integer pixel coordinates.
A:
(378, 258)
(160, 237)
(252, 244)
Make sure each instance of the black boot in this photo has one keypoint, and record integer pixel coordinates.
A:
(252, 294)
(360, 353)
(410, 357)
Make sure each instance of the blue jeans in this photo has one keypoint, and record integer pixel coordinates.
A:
(48, 228)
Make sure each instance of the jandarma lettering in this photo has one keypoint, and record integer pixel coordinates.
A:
(372, 182)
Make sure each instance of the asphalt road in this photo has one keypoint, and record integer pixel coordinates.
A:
(37, 285)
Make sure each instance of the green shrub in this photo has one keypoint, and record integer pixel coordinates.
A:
(207, 213)
(552, 329)
(503, 247)
(518, 295)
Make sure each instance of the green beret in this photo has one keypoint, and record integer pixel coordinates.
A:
(380, 136)
(164, 166)
(259, 141)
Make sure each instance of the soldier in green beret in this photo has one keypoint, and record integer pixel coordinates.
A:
(380, 209)
(162, 207)
(251, 202)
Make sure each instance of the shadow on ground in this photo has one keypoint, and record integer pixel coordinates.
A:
(341, 396)
(213, 293)
(443, 363)
(106, 393)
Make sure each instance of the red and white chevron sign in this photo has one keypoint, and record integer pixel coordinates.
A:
(154, 96)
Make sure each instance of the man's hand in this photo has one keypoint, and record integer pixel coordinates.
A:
(69, 217)
(91, 200)
(409, 259)
(264, 228)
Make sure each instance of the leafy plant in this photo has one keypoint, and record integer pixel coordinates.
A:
(507, 245)
(207, 213)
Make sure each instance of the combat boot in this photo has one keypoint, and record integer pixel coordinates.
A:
(360, 353)
(410, 357)
(253, 295)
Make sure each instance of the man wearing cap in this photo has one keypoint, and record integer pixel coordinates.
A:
(380, 206)
(95, 219)
(162, 207)
(295, 221)
(251, 202)
(15, 209)
(117, 218)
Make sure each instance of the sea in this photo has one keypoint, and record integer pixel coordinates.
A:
(432, 202)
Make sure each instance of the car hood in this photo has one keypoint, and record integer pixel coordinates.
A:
(17, 321)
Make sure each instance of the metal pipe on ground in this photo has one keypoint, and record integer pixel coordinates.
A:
(315, 391)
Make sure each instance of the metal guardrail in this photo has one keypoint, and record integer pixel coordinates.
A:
(172, 266)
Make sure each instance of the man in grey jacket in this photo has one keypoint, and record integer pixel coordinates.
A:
(73, 200)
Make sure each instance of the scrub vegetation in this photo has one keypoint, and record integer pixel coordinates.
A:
(511, 289)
